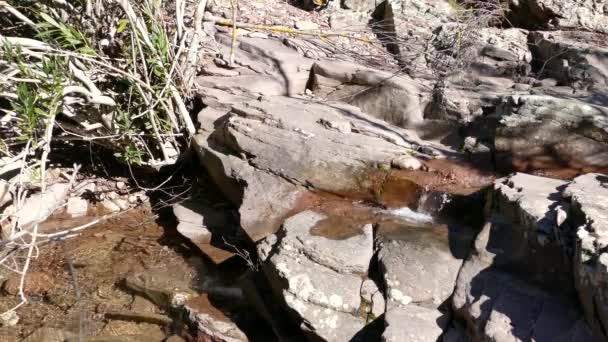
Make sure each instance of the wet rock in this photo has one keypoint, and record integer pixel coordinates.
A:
(409, 254)
(572, 58)
(414, 323)
(319, 278)
(210, 322)
(588, 197)
(550, 133)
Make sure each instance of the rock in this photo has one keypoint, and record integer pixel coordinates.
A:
(588, 199)
(36, 284)
(549, 133)
(46, 334)
(193, 219)
(210, 322)
(414, 323)
(371, 294)
(504, 44)
(318, 277)
(414, 22)
(77, 207)
(175, 338)
(392, 99)
(9, 319)
(503, 308)
(524, 247)
(584, 15)
(406, 163)
(282, 148)
(524, 226)
(213, 70)
(141, 304)
(408, 254)
(120, 185)
(498, 306)
(109, 206)
(340, 126)
(572, 58)
(37, 207)
(161, 291)
(277, 69)
(306, 25)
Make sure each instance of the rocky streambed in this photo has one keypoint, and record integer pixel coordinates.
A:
(333, 201)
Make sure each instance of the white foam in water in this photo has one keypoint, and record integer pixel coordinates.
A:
(409, 214)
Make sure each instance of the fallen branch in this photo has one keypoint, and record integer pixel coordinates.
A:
(280, 29)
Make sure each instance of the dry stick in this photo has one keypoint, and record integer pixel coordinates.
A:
(19, 15)
(281, 29)
(233, 3)
(192, 57)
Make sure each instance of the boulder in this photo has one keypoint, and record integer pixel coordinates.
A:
(517, 284)
(406, 27)
(573, 58)
(264, 154)
(408, 254)
(318, 277)
(266, 66)
(394, 99)
(212, 324)
(588, 199)
(548, 133)
(585, 15)
(499, 306)
(527, 223)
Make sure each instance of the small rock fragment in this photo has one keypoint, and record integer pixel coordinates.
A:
(306, 25)
(406, 162)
